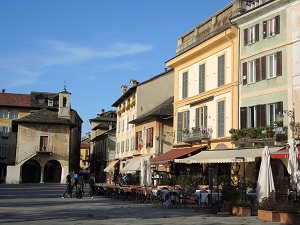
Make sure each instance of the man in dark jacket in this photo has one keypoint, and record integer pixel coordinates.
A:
(92, 185)
(68, 185)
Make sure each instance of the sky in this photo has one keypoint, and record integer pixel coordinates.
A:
(91, 46)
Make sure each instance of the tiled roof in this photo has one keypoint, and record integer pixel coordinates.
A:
(16, 100)
(44, 116)
(106, 117)
(46, 95)
(164, 109)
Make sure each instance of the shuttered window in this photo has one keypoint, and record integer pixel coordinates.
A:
(202, 78)
(221, 70)
(150, 137)
(263, 67)
(201, 117)
(257, 70)
(185, 85)
(221, 119)
(243, 119)
(245, 37)
(245, 71)
(179, 127)
(279, 63)
(271, 27)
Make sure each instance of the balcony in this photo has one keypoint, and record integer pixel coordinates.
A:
(196, 134)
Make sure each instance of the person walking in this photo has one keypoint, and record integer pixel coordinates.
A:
(92, 185)
(68, 186)
(75, 176)
(81, 185)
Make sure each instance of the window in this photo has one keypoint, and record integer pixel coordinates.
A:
(201, 117)
(186, 120)
(138, 140)
(64, 101)
(252, 117)
(43, 143)
(122, 146)
(118, 148)
(251, 72)
(41, 100)
(150, 137)
(4, 131)
(132, 144)
(185, 85)
(251, 35)
(182, 123)
(4, 113)
(127, 145)
(221, 118)
(271, 27)
(221, 70)
(3, 151)
(14, 114)
(271, 108)
(202, 78)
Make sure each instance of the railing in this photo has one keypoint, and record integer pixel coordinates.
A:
(27, 154)
(196, 134)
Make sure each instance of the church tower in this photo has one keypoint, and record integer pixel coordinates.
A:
(64, 105)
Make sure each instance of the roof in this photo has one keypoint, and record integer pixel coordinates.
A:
(84, 145)
(175, 153)
(109, 116)
(44, 116)
(225, 156)
(164, 109)
(283, 154)
(47, 95)
(132, 90)
(16, 100)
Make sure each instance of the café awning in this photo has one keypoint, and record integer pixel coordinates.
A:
(134, 164)
(175, 153)
(283, 154)
(110, 166)
(225, 156)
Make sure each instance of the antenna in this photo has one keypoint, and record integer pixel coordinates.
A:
(65, 85)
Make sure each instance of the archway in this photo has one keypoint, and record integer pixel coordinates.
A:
(52, 171)
(31, 172)
(2, 172)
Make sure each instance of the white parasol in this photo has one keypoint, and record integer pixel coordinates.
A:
(265, 182)
(149, 174)
(293, 163)
(142, 180)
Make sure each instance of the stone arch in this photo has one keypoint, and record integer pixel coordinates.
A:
(52, 171)
(31, 171)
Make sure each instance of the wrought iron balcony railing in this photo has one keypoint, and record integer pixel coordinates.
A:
(196, 134)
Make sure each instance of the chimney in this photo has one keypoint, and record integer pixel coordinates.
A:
(166, 69)
(88, 135)
(103, 111)
(3, 90)
(124, 88)
(133, 83)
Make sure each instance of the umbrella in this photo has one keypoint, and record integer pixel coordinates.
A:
(149, 174)
(293, 163)
(265, 182)
(142, 181)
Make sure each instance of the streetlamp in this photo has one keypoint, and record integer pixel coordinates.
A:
(244, 174)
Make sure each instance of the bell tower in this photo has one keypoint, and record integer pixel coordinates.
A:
(64, 105)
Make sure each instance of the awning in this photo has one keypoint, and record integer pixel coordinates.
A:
(134, 164)
(174, 153)
(225, 156)
(283, 154)
(110, 166)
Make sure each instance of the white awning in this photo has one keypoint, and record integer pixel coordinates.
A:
(110, 166)
(134, 164)
(225, 156)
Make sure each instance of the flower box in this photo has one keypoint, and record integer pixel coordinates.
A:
(271, 216)
(244, 211)
(291, 219)
(235, 210)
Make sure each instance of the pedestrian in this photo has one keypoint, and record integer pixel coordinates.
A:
(75, 176)
(92, 185)
(81, 185)
(68, 185)
(72, 184)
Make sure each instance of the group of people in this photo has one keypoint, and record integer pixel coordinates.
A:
(73, 181)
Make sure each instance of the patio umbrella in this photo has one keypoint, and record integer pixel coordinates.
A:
(265, 182)
(142, 181)
(149, 174)
(293, 163)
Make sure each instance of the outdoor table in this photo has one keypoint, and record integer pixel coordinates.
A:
(169, 196)
(203, 196)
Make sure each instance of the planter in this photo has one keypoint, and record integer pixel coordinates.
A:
(244, 211)
(235, 210)
(286, 218)
(227, 207)
(271, 216)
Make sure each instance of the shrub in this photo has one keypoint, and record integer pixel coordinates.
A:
(269, 204)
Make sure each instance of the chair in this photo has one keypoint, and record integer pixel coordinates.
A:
(189, 200)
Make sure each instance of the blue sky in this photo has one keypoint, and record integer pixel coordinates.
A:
(94, 46)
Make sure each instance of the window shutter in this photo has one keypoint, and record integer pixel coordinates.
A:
(257, 69)
(263, 116)
(151, 137)
(263, 67)
(221, 119)
(202, 78)
(197, 118)
(277, 24)
(244, 77)
(184, 85)
(205, 116)
(188, 119)
(245, 37)
(243, 114)
(221, 70)
(256, 32)
(136, 140)
(179, 127)
(265, 30)
(279, 63)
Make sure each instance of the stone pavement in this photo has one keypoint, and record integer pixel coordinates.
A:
(42, 204)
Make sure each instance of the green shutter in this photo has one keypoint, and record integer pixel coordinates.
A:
(197, 118)
(221, 119)
(179, 127)
(184, 85)
(205, 116)
(202, 78)
(221, 70)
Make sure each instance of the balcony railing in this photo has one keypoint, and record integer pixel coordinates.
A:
(196, 134)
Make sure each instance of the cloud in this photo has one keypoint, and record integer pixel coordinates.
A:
(26, 67)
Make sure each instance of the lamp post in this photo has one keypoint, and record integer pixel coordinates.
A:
(244, 174)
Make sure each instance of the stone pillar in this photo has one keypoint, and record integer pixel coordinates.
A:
(64, 173)
(42, 174)
(13, 174)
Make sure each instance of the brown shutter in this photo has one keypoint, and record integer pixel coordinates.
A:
(257, 69)
(245, 37)
(263, 67)
(263, 115)
(258, 112)
(279, 63)
(264, 29)
(277, 24)
(243, 113)
(257, 32)
(279, 110)
(244, 77)
(136, 140)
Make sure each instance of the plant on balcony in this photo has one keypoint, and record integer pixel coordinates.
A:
(252, 133)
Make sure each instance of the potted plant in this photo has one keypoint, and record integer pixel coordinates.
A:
(230, 193)
(289, 213)
(244, 207)
(267, 209)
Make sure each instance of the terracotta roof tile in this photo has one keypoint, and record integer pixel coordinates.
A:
(9, 99)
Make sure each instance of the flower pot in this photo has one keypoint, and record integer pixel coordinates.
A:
(286, 218)
(244, 211)
(235, 210)
(261, 214)
(227, 207)
(271, 216)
